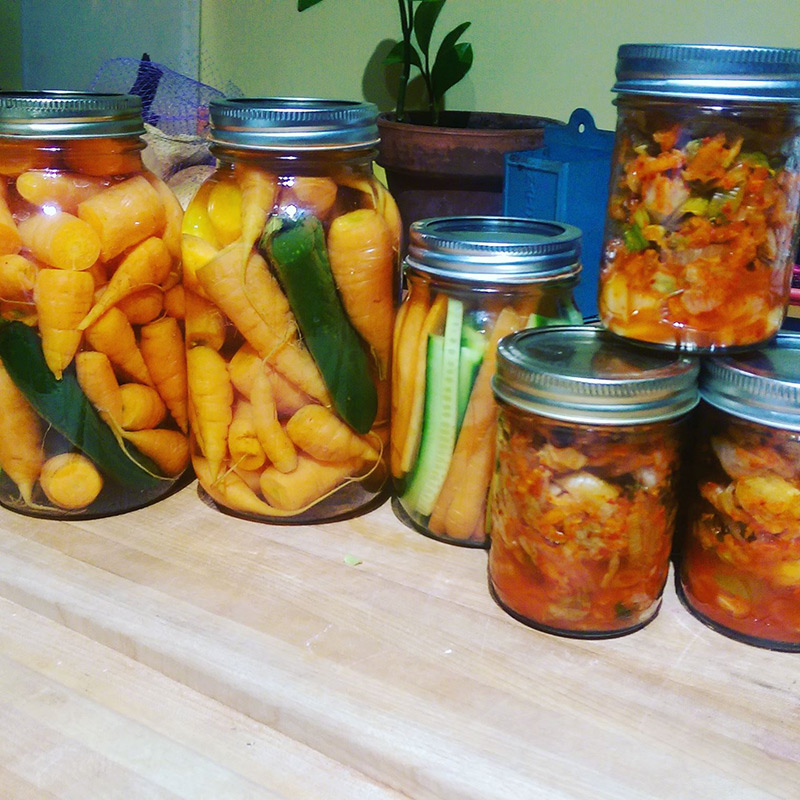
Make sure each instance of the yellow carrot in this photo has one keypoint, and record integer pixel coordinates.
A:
(70, 481)
(62, 298)
(362, 257)
(147, 264)
(99, 383)
(211, 397)
(173, 216)
(222, 280)
(164, 354)
(259, 193)
(196, 221)
(230, 491)
(197, 252)
(204, 322)
(321, 434)
(314, 195)
(225, 210)
(113, 335)
(142, 407)
(245, 449)
(21, 454)
(60, 240)
(124, 214)
(10, 240)
(273, 438)
(391, 213)
(64, 190)
(167, 448)
(17, 276)
(309, 482)
(143, 305)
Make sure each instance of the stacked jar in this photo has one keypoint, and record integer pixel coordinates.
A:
(471, 281)
(92, 378)
(291, 281)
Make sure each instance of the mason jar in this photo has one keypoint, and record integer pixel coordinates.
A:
(585, 492)
(291, 280)
(471, 281)
(93, 410)
(740, 563)
(703, 206)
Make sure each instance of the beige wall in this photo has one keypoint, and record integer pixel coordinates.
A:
(542, 57)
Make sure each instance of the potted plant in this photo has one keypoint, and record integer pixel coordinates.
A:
(440, 162)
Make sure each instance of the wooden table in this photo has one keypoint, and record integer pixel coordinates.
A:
(176, 652)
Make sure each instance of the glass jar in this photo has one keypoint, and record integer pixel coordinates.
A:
(584, 497)
(703, 204)
(471, 280)
(291, 280)
(740, 563)
(93, 416)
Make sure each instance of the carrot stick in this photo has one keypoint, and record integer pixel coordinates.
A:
(99, 383)
(169, 449)
(474, 449)
(113, 335)
(62, 298)
(164, 355)
(273, 438)
(148, 264)
(21, 454)
(60, 240)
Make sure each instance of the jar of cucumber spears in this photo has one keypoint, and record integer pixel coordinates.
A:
(471, 281)
(291, 279)
(93, 416)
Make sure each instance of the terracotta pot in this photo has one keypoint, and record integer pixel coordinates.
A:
(453, 169)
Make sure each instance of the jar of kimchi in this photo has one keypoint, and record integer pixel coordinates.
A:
(93, 415)
(291, 280)
(471, 280)
(740, 564)
(704, 195)
(584, 496)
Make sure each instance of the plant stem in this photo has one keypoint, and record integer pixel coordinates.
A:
(406, 25)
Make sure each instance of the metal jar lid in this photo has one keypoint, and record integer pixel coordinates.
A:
(726, 72)
(761, 385)
(69, 115)
(510, 250)
(290, 123)
(586, 375)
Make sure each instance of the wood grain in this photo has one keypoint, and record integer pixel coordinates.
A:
(179, 652)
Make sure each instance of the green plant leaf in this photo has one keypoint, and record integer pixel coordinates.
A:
(424, 21)
(452, 37)
(451, 65)
(302, 5)
(396, 55)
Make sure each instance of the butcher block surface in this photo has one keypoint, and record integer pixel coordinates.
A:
(178, 652)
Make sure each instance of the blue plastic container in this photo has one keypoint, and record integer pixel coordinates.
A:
(566, 179)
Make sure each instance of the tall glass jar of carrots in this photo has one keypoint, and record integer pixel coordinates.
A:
(472, 280)
(291, 279)
(93, 408)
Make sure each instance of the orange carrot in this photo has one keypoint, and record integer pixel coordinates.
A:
(17, 156)
(230, 491)
(362, 257)
(99, 383)
(106, 156)
(164, 354)
(391, 213)
(169, 449)
(17, 277)
(460, 502)
(142, 407)
(204, 322)
(175, 302)
(259, 192)
(113, 335)
(143, 305)
(21, 454)
(314, 195)
(196, 253)
(124, 214)
(147, 264)
(321, 434)
(70, 481)
(211, 397)
(64, 190)
(222, 280)
(60, 240)
(62, 298)
(245, 448)
(10, 240)
(173, 216)
(309, 482)
(273, 438)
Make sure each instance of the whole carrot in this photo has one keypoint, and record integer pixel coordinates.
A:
(99, 383)
(273, 438)
(164, 355)
(113, 335)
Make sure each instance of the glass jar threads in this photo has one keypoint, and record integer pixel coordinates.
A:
(471, 281)
(704, 195)
(584, 496)
(740, 564)
(291, 279)
(93, 415)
